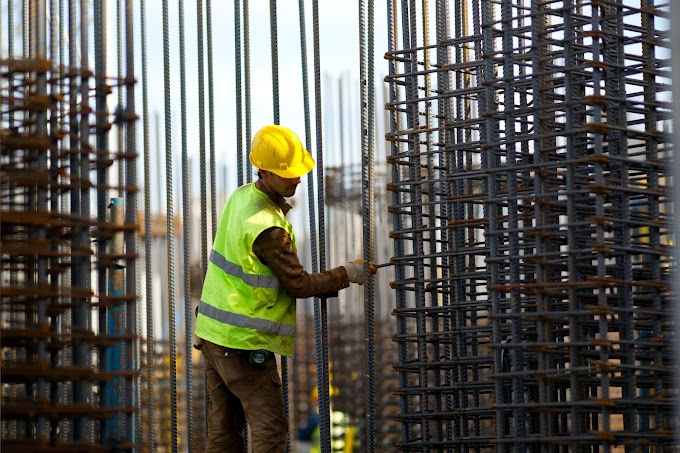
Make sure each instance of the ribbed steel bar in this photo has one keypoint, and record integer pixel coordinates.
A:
(247, 96)
(415, 213)
(311, 342)
(80, 275)
(172, 339)
(150, 374)
(65, 425)
(239, 100)
(212, 165)
(674, 223)
(275, 107)
(447, 163)
(133, 313)
(100, 40)
(399, 243)
(366, 40)
(320, 305)
(205, 242)
(56, 389)
(273, 33)
(186, 207)
(74, 203)
(40, 119)
(120, 132)
(536, 203)
(119, 362)
(10, 44)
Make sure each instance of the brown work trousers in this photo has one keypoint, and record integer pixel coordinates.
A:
(238, 392)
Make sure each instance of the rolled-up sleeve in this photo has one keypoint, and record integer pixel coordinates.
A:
(274, 248)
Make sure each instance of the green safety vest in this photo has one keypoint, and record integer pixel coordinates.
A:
(242, 305)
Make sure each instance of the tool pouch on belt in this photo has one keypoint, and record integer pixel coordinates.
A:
(260, 357)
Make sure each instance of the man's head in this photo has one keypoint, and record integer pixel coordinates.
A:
(279, 155)
(279, 150)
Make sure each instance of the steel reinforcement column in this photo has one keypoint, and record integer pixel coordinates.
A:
(531, 214)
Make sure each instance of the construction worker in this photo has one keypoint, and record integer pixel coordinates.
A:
(247, 308)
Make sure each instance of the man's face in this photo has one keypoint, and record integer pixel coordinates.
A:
(283, 186)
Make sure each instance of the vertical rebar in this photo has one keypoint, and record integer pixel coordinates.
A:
(131, 238)
(246, 72)
(367, 206)
(170, 228)
(674, 223)
(211, 120)
(320, 306)
(148, 269)
(273, 32)
(39, 51)
(120, 129)
(239, 100)
(186, 207)
(100, 47)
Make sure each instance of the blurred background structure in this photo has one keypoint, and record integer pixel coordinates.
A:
(512, 163)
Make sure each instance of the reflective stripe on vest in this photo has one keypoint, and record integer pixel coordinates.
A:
(233, 319)
(229, 268)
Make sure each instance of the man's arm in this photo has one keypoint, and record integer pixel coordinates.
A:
(273, 247)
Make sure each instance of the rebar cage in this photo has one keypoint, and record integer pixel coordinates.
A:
(530, 156)
(70, 349)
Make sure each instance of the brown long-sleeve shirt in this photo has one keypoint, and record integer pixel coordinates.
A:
(274, 248)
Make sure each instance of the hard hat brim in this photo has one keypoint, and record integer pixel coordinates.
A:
(304, 167)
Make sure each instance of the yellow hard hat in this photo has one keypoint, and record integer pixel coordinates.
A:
(279, 150)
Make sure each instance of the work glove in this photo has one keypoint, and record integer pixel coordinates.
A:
(355, 271)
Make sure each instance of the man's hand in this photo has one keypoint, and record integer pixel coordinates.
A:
(355, 271)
